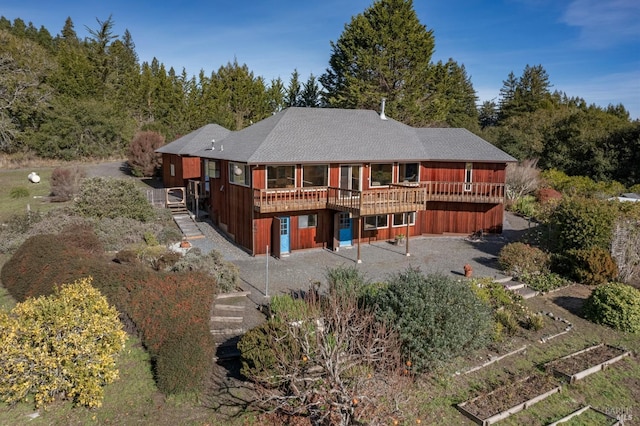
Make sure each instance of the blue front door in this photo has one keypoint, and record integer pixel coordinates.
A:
(345, 232)
(284, 235)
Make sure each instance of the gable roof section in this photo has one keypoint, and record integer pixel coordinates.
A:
(457, 144)
(329, 135)
(195, 141)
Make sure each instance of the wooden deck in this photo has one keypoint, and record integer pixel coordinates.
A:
(393, 199)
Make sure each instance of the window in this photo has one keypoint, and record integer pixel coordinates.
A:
(408, 172)
(399, 219)
(375, 222)
(308, 221)
(212, 169)
(281, 176)
(239, 174)
(172, 168)
(315, 175)
(381, 174)
(468, 174)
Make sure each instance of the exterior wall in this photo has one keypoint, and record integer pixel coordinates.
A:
(454, 172)
(320, 236)
(460, 218)
(184, 168)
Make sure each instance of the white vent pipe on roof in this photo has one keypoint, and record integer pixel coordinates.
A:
(382, 116)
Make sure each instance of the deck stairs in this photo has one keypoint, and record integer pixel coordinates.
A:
(185, 222)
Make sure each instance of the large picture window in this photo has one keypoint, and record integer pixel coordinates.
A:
(375, 222)
(381, 174)
(281, 177)
(315, 175)
(408, 172)
(240, 174)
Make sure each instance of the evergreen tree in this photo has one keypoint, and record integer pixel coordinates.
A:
(275, 94)
(293, 93)
(383, 52)
(311, 94)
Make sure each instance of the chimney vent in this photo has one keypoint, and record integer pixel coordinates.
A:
(382, 116)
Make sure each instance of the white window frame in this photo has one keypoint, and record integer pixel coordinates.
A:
(380, 184)
(412, 219)
(468, 176)
(381, 222)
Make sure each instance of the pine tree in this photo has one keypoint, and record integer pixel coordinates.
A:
(383, 52)
(292, 96)
(311, 94)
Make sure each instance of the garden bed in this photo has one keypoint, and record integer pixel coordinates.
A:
(587, 416)
(580, 364)
(509, 399)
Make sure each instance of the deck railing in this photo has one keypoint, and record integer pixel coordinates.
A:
(289, 199)
(395, 198)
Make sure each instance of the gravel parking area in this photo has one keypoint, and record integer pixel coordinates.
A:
(262, 275)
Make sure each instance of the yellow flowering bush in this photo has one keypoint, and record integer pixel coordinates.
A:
(60, 346)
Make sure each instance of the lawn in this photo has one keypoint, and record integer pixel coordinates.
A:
(37, 198)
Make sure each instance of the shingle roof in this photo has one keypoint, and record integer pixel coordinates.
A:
(325, 135)
(195, 141)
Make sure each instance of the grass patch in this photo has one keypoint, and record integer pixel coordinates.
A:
(37, 193)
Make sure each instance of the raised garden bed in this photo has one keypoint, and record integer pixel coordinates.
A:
(580, 364)
(587, 416)
(509, 399)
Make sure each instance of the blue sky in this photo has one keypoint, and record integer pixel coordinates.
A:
(589, 48)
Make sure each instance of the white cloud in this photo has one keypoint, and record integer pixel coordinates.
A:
(604, 23)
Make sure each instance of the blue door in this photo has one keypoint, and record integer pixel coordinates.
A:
(284, 235)
(345, 233)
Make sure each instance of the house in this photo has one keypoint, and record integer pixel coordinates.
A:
(178, 163)
(332, 178)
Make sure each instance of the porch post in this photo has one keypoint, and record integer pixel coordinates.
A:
(406, 216)
(358, 234)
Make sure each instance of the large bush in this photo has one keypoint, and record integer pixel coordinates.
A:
(65, 182)
(592, 266)
(437, 317)
(520, 259)
(615, 305)
(142, 158)
(170, 311)
(112, 198)
(580, 223)
(62, 346)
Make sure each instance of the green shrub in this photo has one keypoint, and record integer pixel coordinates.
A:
(436, 317)
(111, 198)
(507, 320)
(526, 206)
(293, 309)
(545, 282)
(346, 280)
(615, 305)
(520, 259)
(60, 346)
(19, 192)
(580, 223)
(593, 266)
(534, 322)
(259, 359)
(227, 274)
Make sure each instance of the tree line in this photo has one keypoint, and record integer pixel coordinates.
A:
(70, 98)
